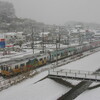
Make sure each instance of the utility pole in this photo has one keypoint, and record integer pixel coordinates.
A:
(59, 36)
(56, 53)
(80, 37)
(59, 39)
(68, 40)
(43, 40)
(32, 40)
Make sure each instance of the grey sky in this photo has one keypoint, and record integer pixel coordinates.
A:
(58, 11)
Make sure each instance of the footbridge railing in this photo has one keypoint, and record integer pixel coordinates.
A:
(74, 74)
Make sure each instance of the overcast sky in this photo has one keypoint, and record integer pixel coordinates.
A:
(58, 11)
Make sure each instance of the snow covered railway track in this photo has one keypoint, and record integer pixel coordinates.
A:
(5, 83)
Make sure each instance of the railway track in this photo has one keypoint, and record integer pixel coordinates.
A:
(5, 83)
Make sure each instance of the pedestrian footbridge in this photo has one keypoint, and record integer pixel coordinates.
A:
(74, 74)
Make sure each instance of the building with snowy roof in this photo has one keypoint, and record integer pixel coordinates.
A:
(12, 37)
(97, 34)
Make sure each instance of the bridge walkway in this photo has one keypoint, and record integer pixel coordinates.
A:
(74, 74)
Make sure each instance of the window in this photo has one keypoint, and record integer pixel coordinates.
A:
(27, 63)
(61, 54)
(6, 68)
(1, 67)
(44, 58)
(21, 65)
(40, 59)
(16, 66)
(9, 69)
(58, 54)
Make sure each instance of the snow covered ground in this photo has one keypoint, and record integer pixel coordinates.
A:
(89, 63)
(90, 95)
(17, 54)
(48, 89)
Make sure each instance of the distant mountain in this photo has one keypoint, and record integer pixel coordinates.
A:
(9, 22)
(84, 24)
(7, 12)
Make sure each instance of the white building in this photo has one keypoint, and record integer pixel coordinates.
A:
(2, 36)
(97, 34)
(45, 34)
(12, 37)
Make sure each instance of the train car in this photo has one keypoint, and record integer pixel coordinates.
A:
(95, 44)
(30, 62)
(86, 47)
(42, 59)
(57, 54)
(62, 53)
(78, 49)
(0, 71)
(21, 65)
(13, 68)
(5, 70)
(71, 51)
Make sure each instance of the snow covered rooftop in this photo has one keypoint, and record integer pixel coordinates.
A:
(44, 33)
(10, 33)
(97, 32)
(1, 36)
(76, 31)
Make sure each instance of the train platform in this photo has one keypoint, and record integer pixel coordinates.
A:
(14, 54)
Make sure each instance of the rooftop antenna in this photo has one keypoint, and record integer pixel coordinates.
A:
(59, 36)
